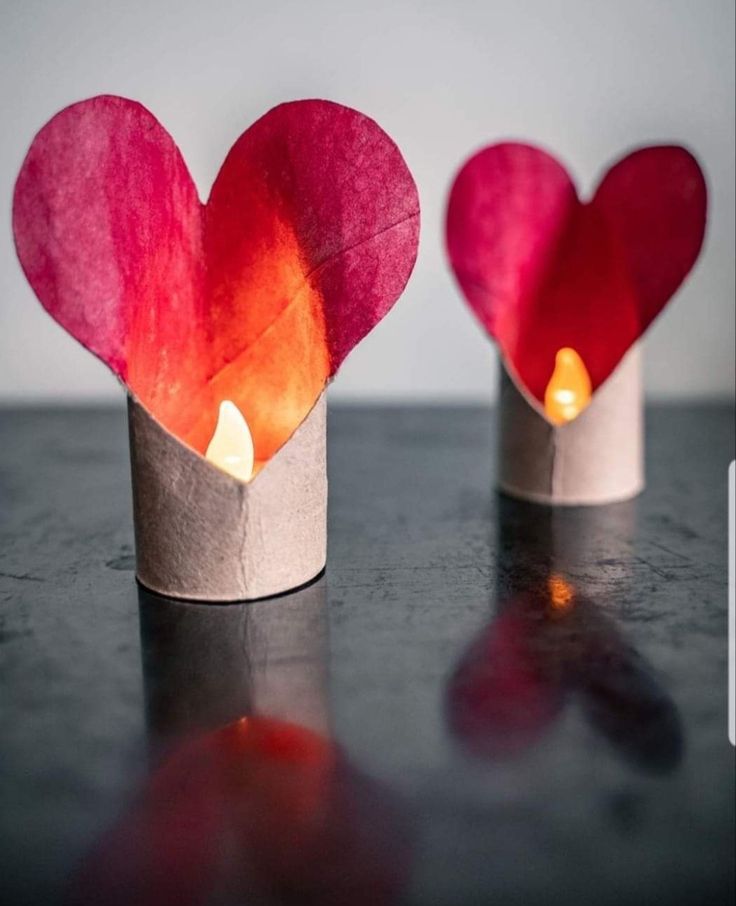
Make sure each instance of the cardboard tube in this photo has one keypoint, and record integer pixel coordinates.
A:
(596, 458)
(202, 535)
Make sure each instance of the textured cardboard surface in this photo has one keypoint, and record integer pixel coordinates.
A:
(596, 458)
(203, 535)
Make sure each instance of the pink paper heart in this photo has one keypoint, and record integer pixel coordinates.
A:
(543, 270)
(307, 239)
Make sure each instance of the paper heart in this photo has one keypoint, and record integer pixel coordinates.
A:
(543, 270)
(307, 239)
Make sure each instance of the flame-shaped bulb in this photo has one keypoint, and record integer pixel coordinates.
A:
(569, 389)
(231, 447)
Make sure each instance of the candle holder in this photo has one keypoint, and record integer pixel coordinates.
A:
(596, 458)
(225, 321)
(567, 288)
(203, 535)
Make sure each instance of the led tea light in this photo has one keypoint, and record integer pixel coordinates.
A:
(225, 321)
(568, 391)
(567, 288)
(231, 448)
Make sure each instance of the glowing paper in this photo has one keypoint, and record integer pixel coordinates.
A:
(307, 239)
(543, 270)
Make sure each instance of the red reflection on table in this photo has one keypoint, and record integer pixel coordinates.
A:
(260, 811)
(501, 696)
(546, 646)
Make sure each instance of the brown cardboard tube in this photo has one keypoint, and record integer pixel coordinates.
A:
(596, 458)
(202, 535)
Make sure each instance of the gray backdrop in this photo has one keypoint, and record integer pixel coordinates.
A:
(586, 78)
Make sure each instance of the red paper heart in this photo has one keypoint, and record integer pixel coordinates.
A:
(543, 270)
(308, 238)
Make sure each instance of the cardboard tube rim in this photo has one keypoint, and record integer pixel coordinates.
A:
(582, 501)
(230, 602)
(138, 402)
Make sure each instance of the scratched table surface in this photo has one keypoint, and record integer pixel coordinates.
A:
(482, 701)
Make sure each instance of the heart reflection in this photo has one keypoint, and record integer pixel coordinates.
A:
(265, 809)
(551, 643)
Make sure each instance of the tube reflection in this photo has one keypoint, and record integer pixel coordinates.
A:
(551, 643)
(205, 665)
(249, 800)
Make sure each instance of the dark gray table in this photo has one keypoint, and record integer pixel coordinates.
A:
(527, 706)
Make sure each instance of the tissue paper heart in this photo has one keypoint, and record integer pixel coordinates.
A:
(308, 238)
(543, 270)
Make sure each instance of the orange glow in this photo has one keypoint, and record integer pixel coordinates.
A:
(274, 382)
(267, 350)
(231, 447)
(273, 359)
(561, 594)
(569, 389)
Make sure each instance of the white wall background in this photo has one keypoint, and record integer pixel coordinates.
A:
(586, 78)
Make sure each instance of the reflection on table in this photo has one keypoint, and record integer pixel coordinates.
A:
(249, 800)
(551, 644)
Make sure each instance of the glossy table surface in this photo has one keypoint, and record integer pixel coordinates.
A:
(482, 701)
